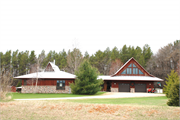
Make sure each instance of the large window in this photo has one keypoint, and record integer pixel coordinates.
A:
(60, 85)
(132, 69)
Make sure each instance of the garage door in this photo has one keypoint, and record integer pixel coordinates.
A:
(140, 87)
(123, 87)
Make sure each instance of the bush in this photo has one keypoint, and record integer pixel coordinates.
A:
(86, 81)
(174, 93)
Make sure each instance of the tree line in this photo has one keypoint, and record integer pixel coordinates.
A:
(107, 62)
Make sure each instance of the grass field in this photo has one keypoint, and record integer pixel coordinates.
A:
(157, 101)
(91, 109)
(41, 95)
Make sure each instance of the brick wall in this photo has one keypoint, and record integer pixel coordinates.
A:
(44, 89)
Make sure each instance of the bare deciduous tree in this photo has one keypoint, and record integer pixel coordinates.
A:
(74, 59)
(5, 83)
(115, 66)
(36, 68)
(164, 61)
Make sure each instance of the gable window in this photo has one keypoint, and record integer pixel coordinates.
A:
(128, 70)
(140, 72)
(132, 69)
(135, 70)
(60, 85)
(124, 72)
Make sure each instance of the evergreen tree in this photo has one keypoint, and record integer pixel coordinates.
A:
(7, 61)
(15, 63)
(42, 56)
(102, 61)
(49, 58)
(124, 54)
(174, 93)
(61, 60)
(115, 54)
(32, 58)
(86, 81)
(86, 55)
(172, 78)
(147, 53)
(23, 62)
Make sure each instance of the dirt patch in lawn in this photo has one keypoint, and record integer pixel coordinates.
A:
(66, 110)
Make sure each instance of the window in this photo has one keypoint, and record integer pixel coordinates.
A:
(140, 72)
(128, 70)
(134, 65)
(124, 72)
(135, 70)
(132, 69)
(25, 82)
(130, 65)
(60, 85)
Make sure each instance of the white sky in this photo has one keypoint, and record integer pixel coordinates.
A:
(94, 24)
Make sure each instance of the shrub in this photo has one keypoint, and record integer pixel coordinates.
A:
(174, 93)
(172, 78)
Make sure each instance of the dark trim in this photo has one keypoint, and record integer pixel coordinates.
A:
(133, 80)
(49, 78)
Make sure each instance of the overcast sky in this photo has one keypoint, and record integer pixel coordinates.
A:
(92, 24)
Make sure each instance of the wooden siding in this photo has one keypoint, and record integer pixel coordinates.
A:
(45, 82)
(49, 68)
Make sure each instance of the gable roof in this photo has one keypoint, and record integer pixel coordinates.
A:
(54, 67)
(114, 77)
(56, 74)
(131, 59)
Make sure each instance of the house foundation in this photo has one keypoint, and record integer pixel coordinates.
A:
(45, 89)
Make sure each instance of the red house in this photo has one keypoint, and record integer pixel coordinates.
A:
(131, 77)
(51, 80)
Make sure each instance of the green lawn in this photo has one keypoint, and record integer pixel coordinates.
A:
(43, 95)
(158, 101)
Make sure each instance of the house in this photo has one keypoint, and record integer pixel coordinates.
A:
(51, 80)
(131, 77)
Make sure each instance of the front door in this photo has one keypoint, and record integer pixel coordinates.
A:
(109, 86)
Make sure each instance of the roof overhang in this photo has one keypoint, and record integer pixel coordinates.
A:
(47, 75)
(130, 78)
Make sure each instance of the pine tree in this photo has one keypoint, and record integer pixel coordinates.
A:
(174, 93)
(115, 54)
(86, 55)
(86, 81)
(15, 63)
(124, 54)
(147, 53)
(172, 79)
(32, 58)
(7, 61)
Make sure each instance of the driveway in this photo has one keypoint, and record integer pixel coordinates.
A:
(106, 95)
